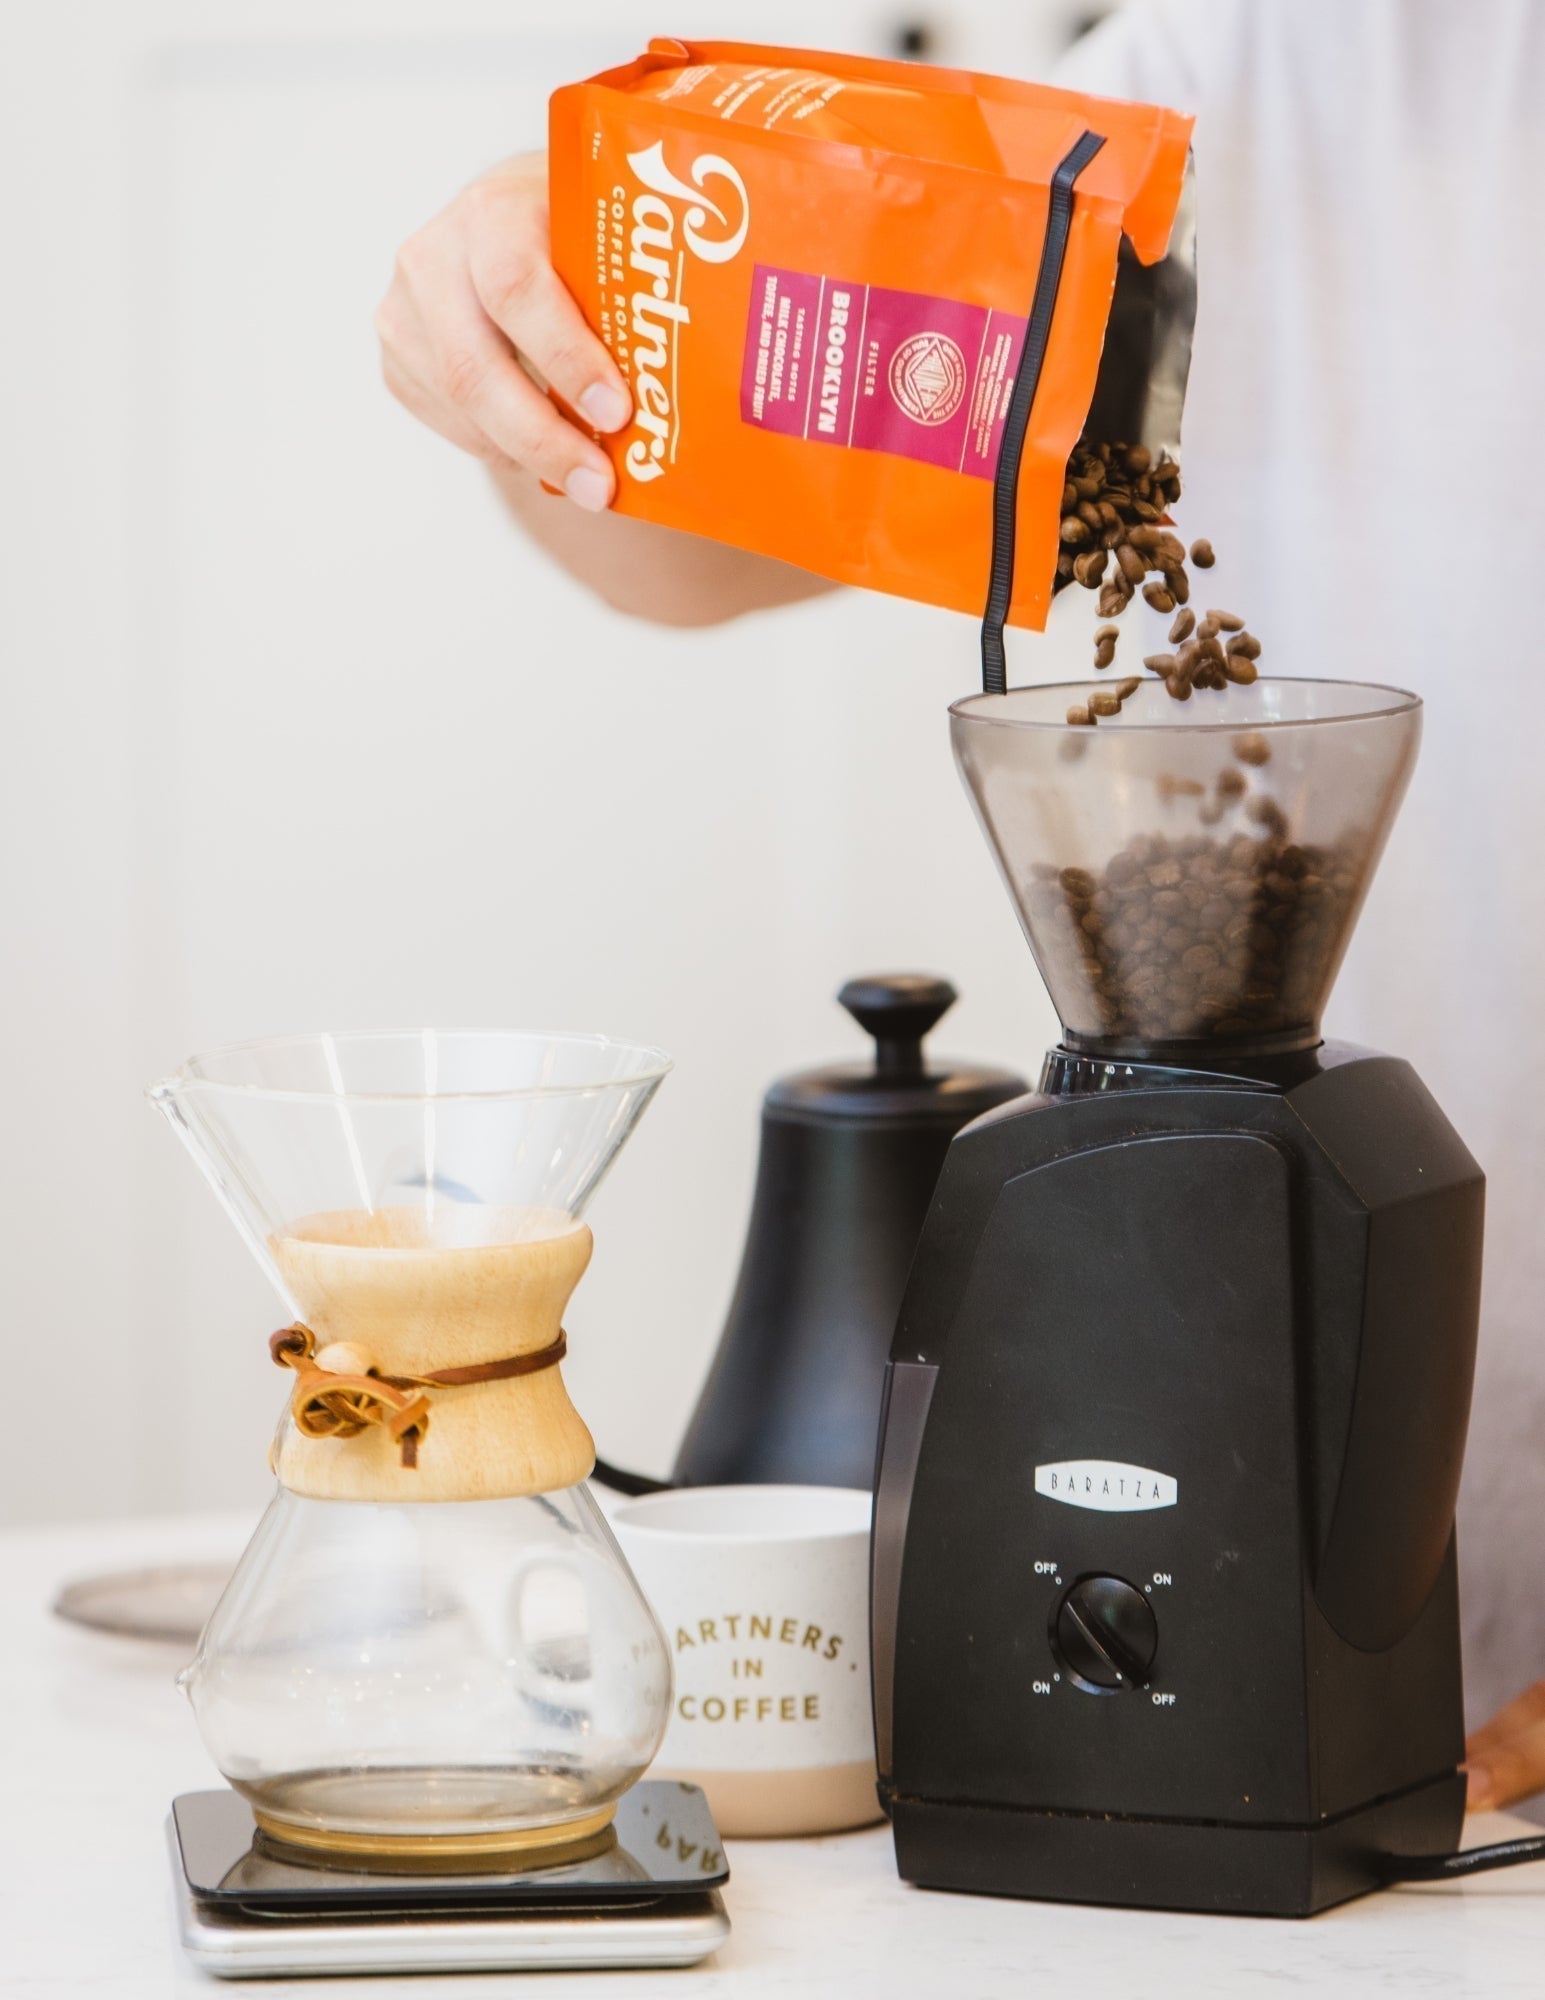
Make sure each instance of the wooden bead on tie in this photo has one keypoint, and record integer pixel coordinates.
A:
(342, 1357)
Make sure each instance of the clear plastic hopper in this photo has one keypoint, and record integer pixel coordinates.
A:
(1189, 876)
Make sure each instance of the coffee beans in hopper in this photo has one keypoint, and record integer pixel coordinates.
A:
(1198, 938)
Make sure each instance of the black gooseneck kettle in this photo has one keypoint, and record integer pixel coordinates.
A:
(849, 1158)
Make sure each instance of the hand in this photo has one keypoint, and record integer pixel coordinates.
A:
(470, 291)
(1506, 1759)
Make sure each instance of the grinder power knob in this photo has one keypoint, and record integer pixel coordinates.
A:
(1105, 1634)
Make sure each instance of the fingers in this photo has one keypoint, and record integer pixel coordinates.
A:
(1505, 1759)
(421, 402)
(1508, 1773)
(453, 366)
(509, 261)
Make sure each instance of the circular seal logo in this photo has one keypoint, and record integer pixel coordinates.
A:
(928, 378)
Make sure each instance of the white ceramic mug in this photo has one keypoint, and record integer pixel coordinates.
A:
(763, 1592)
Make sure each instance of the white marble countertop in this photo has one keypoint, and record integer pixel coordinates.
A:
(97, 1740)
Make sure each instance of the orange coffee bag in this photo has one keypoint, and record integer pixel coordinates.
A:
(824, 278)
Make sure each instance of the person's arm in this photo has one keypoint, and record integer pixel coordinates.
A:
(473, 290)
(1505, 1760)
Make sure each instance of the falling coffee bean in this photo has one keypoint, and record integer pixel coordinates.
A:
(1133, 567)
(1115, 500)
(1079, 717)
(1252, 748)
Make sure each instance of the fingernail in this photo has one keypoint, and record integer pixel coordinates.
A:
(588, 488)
(1478, 1787)
(607, 408)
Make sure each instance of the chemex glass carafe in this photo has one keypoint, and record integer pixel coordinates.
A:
(432, 1646)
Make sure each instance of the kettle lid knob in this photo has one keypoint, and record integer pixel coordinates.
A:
(898, 1009)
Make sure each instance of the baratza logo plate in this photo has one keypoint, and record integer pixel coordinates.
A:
(1105, 1486)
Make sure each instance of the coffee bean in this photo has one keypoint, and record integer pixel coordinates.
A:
(1225, 621)
(1132, 565)
(1183, 627)
(1177, 583)
(1127, 688)
(1162, 664)
(1089, 568)
(1252, 748)
(1202, 555)
(1232, 783)
(1106, 702)
(1246, 646)
(1241, 672)
(1079, 716)
(1156, 595)
(1074, 531)
(1104, 653)
(1137, 458)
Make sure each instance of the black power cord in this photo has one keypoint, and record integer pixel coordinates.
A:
(1469, 1861)
(633, 1484)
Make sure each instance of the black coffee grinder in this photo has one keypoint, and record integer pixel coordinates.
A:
(1164, 1595)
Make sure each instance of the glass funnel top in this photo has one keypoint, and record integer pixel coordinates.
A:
(421, 1140)
(1189, 882)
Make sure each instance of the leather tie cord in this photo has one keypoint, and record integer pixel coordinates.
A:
(341, 1406)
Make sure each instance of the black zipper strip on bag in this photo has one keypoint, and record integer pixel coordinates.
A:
(1005, 487)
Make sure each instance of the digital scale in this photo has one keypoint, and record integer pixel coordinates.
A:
(649, 1895)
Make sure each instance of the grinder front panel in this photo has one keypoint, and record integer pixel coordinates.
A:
(1102, 1602)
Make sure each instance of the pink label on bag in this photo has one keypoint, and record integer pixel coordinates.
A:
(859, 365)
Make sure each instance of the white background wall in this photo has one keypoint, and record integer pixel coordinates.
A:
(297, 733)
